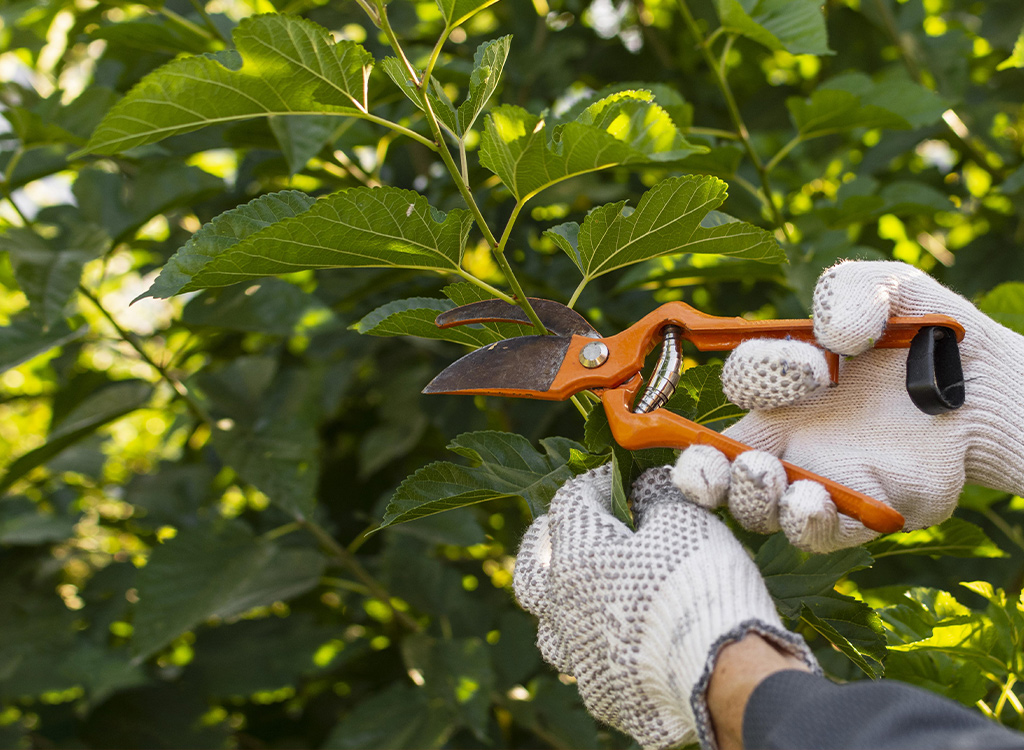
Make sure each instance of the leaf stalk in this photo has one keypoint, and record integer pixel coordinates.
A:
(331, 546)
(722, 81)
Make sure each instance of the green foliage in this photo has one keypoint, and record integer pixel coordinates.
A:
(221, 516)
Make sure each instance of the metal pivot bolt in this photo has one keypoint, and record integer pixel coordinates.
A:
(593, 355)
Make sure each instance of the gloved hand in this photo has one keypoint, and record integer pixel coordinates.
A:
(639, 618)
(864, 433)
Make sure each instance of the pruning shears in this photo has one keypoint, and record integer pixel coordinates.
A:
(574, 358)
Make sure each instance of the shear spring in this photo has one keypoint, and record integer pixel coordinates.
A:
(666, 372)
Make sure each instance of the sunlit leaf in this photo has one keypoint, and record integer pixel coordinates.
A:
(218, 569)
(26, 336)
(457, 12)
(797, 26)
(669, 219)
(356, 228)
(1005, 304)
(954, 537)
(48, 259)
(282, 65)
(488, 63)
(502, 465)
(100, 408)
(625, 128)
(1016, 58)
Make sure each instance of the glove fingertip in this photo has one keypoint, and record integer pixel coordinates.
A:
(758, 481)
(808, 517)
(702, 474)
(769, 373)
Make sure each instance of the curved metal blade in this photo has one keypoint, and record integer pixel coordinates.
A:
(524, 363)
(555, 316)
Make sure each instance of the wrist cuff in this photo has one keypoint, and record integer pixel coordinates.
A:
(789, 642)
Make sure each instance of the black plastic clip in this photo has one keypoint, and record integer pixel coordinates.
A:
(935, 376)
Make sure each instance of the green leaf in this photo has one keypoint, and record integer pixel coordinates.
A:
(689, 269)
(270, 437)
(954, 537)
(215, 570)
(301, 137)
(1005, 304)
(456, 673)
(223, 233)
(834, 111)
(554, 710)
(910, 616)
(703, 385)
(457, 12)
(792, 575)
(24, 523)
(529, 155)
(860, 201)
(27, 337)
(270, 306)
(48, 258)
(854, 100)
(356, 228)
(99, 408)
(850, 626)
(916, 104)
(415, 317)
(152, 35)
(503, 465)
(488, 62)
(1016, 58)
(247, 656)
(400, 716)
(282, 65)
(670, 218)
(802, 586)
(122, 205)
(797, 26)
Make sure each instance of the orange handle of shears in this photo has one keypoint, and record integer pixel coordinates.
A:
(664, 429)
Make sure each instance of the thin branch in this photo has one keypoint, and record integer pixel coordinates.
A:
(8, 187)
(722, 82)
(579, 290)
(712, 132)
(349, 560)
(783, 152)
(132, 340)
(476, 281)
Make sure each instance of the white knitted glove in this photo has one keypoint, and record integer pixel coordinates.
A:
(865, 433)
(639, 618)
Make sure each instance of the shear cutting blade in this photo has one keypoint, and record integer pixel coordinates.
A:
(527, 363)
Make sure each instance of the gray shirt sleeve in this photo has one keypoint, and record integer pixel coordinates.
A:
(798, 711)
